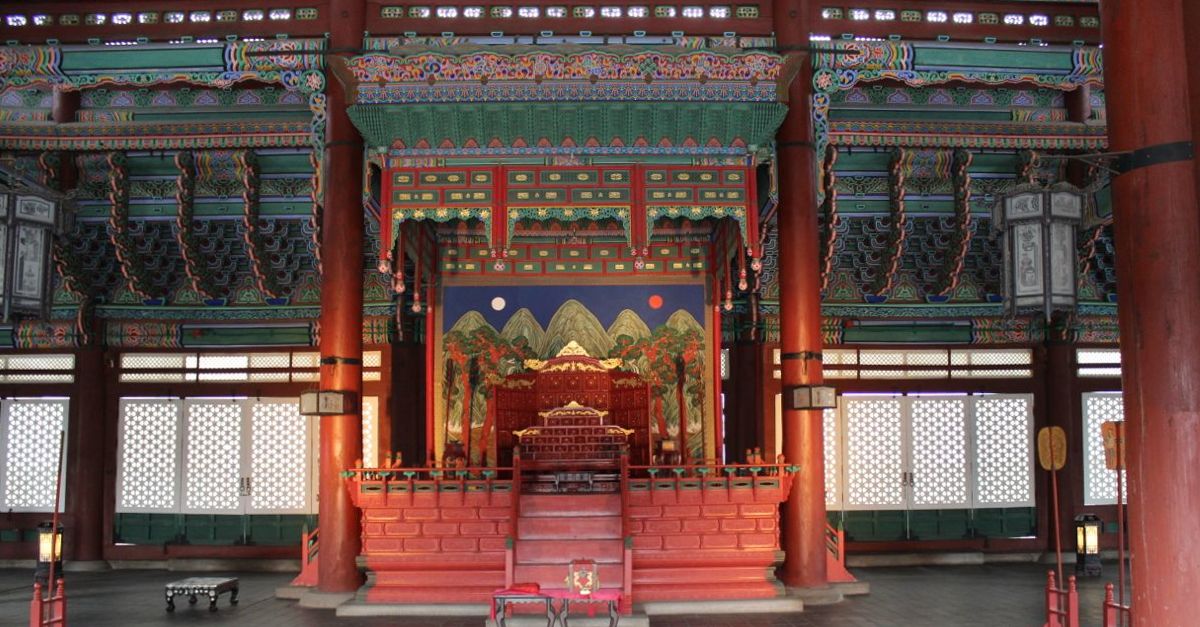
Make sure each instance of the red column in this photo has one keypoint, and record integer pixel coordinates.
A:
(1191, 17)
(85, 448)
(85, 467)
(1062, 410)
(341, 315)
(1157, 227)
(803, 531)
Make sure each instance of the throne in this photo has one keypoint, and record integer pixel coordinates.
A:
(581, 407)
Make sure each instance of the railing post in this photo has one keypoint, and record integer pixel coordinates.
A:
(62, 604)
(626, 537)
(1110, 618)
(35, 607)
(514, 520)
(1072, 603)
(1052, 617)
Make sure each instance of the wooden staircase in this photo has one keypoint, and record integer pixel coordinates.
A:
(553, 529)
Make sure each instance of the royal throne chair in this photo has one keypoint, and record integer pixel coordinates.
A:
(573, 411)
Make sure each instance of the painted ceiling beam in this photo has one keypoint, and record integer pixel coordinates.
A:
(1006, 22)
(79, 22)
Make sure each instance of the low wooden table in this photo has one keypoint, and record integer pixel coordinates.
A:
(502, 598)
(560, 615)
(211, 587)
(604, 595)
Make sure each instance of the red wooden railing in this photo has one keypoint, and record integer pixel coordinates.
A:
(309, 547)
(50, 610)
(514, 518)
(1062, 606)
(1115, 614)
(626, 538)
(835, 557)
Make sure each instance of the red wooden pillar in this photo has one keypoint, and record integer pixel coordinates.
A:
(85, 466)
(1062, 410)
(341, 315)
(1191, 17)
(1157, 227)
(803, 531)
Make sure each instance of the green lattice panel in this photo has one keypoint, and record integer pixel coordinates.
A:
(939, 524)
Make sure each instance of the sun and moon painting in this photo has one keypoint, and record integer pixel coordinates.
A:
(659, 330)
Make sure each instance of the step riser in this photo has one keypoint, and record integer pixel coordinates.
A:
(574, 505)
(553, 576)
(569, 528)
(563, 551)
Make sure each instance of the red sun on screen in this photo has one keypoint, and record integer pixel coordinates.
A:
(655, 301)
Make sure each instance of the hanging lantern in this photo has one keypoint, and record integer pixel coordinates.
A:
(1040, 257)
(31, 215)
(1087, 545)
(49, 552)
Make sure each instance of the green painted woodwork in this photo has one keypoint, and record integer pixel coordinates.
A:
(935, 524)
(904, 333)
(195, 58)
(877, 160)
(163, 164)
(848, 204)
(874, 525)
(876, 94)
(242, 113)
(1009, 522)
(1009, 60)
(993, 163)
(753, 123)
(166, 207)
(246, 336)
(222, 530)
(938, 524)
(1104, 206)
(18, 535)
(837, 114)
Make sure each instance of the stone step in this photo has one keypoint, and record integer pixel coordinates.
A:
(569, 528)
(563, 551)
(576, 505)
(553, 576)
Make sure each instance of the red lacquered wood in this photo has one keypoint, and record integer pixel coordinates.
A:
(1157, 227)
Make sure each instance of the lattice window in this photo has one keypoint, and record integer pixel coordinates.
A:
(219, 367)
(1099, 483)
(874, 458)
(1004, 451)
(33, 429)
(12, 367)
(1098, 362)
(278, 457)
(149, 455)
(370, 431)
(939, 453)
(833, 488)
(212, 460)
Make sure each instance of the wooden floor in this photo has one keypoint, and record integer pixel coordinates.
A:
(992, 595)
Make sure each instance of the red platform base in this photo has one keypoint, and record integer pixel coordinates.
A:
(713, 535)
